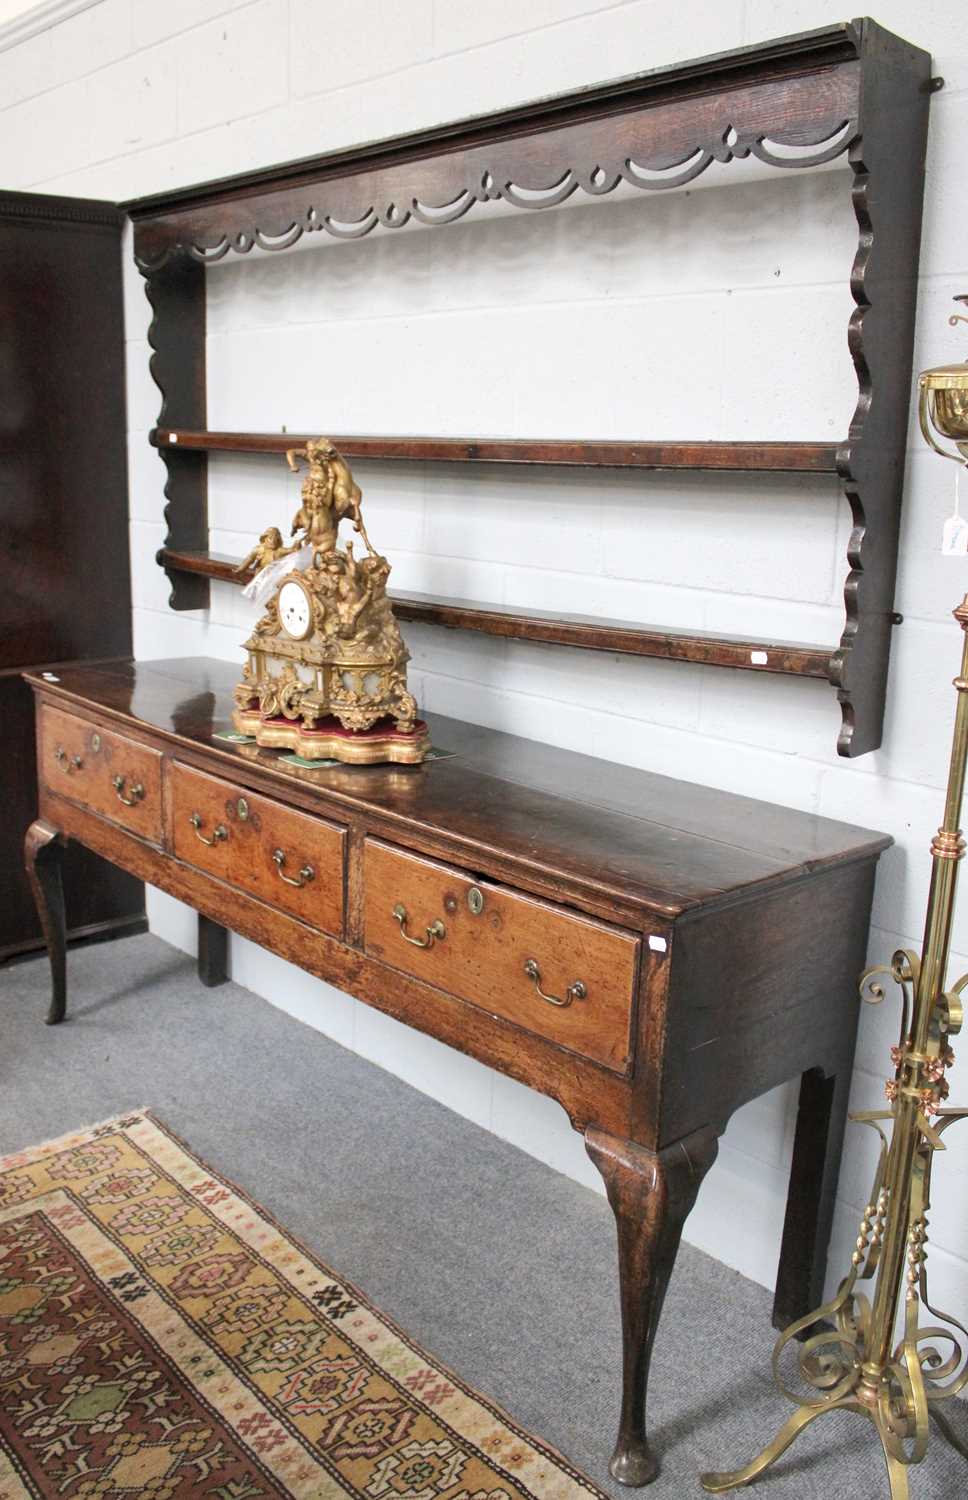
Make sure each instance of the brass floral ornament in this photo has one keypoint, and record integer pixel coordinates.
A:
(325, 671)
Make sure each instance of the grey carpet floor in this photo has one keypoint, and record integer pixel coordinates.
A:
(499, 1266)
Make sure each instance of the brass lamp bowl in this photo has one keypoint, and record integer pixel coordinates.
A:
(943, 406)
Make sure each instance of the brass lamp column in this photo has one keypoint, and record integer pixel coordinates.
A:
(873, 1357)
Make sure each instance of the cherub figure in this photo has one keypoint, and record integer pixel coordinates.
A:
(269, 548)
(375, 570)
(351, 589)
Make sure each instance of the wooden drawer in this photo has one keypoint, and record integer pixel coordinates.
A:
(498, 946)
(104, 771)
(286, 858)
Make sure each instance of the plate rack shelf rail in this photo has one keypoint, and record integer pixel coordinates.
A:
(852, 90)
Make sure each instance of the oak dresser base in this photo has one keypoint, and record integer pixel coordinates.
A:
(651, 955)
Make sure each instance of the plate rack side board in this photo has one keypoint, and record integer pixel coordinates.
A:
(853, 90)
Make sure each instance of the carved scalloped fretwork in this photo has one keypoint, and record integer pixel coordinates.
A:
(795, 103)
(177, 337)
(797, 122)
(155, 294)
(888, 165)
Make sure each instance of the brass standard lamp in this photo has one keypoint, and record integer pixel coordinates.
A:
(943, 402)
(858, 1359)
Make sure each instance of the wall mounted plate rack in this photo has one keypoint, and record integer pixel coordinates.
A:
(852, 90)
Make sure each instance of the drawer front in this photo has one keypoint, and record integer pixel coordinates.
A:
(498, 949)
(284, 857)
(102, 770)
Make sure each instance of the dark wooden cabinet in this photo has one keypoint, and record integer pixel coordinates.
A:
(65, 591)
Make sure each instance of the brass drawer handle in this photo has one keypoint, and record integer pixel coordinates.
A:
(67, 762)
(220, 833)
(306, 874)
(435, 932)
(576, 991)
(137, 791)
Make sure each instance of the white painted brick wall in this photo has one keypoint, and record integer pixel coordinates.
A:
(523, 323)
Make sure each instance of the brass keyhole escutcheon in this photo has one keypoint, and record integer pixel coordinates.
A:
(475, 900)
(242, 807)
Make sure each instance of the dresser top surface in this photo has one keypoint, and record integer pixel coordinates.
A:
(669, 845)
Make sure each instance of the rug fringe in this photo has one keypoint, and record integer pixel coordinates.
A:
(70, 1138)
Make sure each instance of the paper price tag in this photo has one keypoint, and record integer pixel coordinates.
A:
(954, 538)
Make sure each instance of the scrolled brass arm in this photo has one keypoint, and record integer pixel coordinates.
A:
(436, 932)
(576, 991)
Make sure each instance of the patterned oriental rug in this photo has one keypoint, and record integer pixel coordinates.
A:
(161, 1336)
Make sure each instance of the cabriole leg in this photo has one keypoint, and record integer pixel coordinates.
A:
(651, 1194)
(43, 855)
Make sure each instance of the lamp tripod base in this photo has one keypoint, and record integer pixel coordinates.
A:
(897, 1472)
(716, 1482)
(903, 1392)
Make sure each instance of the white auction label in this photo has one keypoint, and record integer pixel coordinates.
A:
(954, 535)
(954, 538)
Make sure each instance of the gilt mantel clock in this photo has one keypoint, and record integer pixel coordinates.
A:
(325, 673)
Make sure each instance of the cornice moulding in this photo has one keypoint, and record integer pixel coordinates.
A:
(40, 17)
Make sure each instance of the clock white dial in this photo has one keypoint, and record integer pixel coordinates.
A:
(295, 614)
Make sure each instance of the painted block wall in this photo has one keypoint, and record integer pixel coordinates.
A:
(594, 319)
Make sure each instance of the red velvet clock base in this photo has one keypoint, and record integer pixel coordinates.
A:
(329, 740)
